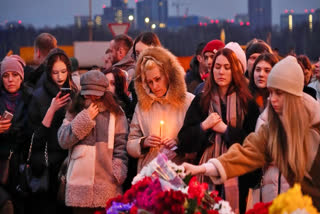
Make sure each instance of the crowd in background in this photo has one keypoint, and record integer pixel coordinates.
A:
(246, 121)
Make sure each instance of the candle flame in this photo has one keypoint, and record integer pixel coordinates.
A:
(161, 122)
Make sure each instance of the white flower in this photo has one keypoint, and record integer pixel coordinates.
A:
(223, 207)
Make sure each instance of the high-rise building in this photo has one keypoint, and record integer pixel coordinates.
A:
(260, 14)
(290, 20)
(152, 13)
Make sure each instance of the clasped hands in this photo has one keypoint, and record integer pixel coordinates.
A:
(214, 122)
(154, 141)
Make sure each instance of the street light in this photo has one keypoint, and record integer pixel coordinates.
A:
(131, 18)
(147, 20)
(153, 26)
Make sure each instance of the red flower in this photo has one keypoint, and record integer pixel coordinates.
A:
(170, 202)
(196, 190)
(212, 212)
(133, 210)
(260, 208)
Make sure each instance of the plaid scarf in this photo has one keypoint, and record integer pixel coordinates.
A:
(235, 117)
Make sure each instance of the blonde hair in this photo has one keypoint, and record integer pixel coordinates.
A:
(149, 63)
(288, 142)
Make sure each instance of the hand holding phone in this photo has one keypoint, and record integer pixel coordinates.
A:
(4, 124)
(64, 91)
(6, 116)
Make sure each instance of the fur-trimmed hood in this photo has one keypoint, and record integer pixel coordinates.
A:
(176, 94)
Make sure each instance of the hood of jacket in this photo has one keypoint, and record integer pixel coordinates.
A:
(176, 93)
(126, 62)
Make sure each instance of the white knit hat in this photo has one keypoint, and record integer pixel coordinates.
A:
(236, 48)
(287, 75)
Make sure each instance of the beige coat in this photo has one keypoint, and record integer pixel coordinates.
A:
(253, 154)
(150, 110)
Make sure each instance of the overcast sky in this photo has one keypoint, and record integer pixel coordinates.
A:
(60, 12)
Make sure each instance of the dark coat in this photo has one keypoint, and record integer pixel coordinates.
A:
(193, 139)
(192, 77)
(192, 130)
(40, 102)
(17, 138)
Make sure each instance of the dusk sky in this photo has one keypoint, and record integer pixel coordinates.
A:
(60, 12)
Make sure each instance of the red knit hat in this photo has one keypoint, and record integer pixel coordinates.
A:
(213, 46)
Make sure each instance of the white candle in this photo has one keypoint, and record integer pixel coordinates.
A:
(161, 128)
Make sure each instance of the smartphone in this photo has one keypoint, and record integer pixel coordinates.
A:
(6, 116)
(65, 91)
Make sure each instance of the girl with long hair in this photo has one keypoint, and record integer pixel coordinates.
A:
(289, 138)
(46, 113)
(258, 80)
(95, 131)
(219, 117)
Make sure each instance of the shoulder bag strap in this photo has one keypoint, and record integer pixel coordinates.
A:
(45, 151)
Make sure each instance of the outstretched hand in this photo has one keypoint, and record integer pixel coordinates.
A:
(193, 169)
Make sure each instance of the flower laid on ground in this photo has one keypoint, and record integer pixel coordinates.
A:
(161, 190)
(291, 202)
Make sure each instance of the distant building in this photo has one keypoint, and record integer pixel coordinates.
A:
(118, 12)
(175, 22)
(259, 14)
(152, 13)
(289, 19)
(81, 21)
(244, 18)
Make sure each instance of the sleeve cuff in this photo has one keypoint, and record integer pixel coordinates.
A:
(222, 176)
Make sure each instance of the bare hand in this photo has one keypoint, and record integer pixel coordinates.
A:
(59, 102)
(193, 169)
(152, 141)
(211, 121)
(4, 125)
(220, 127)
(170, 143)
(93, 111)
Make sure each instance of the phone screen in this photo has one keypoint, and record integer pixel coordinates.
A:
(64, 91)
(7, 116)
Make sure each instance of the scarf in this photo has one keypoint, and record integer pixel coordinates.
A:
(11, 100)
(235, 117)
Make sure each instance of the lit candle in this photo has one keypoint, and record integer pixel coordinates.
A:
(161, 128)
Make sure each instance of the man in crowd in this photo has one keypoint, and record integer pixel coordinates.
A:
(42, 46)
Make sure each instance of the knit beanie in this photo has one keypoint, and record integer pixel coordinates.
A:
(93, 82)
(258, 47)
(236, 48)
(287, 76)
(13, 63)
(213, 46)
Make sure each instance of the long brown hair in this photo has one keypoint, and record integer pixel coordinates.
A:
(54, 56)
(238, 83)
(288, 142)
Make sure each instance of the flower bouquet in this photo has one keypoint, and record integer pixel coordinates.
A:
(160, 188)
(290, 202)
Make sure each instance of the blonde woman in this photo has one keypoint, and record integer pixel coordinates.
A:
(162, 103)
(290, 137)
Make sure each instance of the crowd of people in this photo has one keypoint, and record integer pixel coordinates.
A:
(247, 122)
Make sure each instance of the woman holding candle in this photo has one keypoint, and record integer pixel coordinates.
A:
(162, 96)
(220, 116)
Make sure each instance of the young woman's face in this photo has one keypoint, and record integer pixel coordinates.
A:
(59, 73)
(11, 81)
(260, 74)
(276, 97)
(140, 46)
(251, 61)
(111, 80)
(222, 72)
(157, 82)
